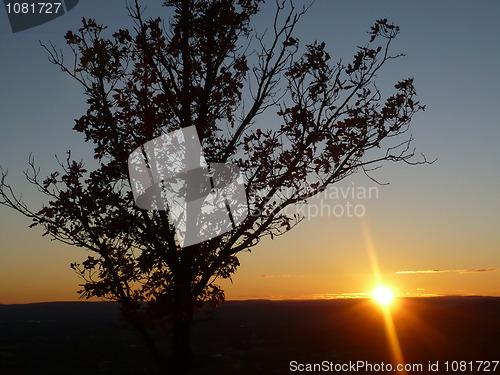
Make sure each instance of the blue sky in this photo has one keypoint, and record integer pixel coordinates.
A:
(443, 216)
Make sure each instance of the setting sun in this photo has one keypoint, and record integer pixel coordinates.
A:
(383, 295)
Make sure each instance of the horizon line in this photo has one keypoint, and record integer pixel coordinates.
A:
(278, 299)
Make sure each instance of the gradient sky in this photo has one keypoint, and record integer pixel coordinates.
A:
(439, 222)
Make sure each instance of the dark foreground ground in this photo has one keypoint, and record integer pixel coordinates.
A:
(256, 337)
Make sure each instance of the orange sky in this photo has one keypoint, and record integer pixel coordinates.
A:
(325, 257)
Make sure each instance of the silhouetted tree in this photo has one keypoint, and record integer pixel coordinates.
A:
(207, 67)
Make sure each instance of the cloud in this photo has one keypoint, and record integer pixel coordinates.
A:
(341, 295)
(481, 270)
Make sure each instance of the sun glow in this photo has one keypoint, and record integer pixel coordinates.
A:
(383, 295)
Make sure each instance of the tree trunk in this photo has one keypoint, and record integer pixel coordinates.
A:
(153, 349)
(181, 341)
(130, 314)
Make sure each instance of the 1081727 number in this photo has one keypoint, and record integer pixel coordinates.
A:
(471, 366)
(33, 8)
